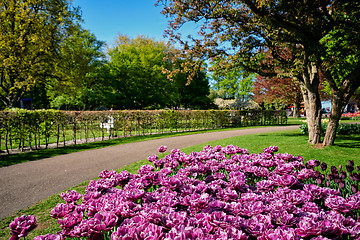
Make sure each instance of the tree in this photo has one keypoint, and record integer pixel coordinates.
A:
(278, 90)
(193, 95)
(233, 84)
(30, 37)
(77, 72)
(322, 36)
(137, 80)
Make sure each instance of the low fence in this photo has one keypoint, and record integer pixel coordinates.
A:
(24, 129)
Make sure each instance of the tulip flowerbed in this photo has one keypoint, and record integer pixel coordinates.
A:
(218, 193)
(354, 116)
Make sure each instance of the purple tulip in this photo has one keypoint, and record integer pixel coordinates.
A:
(323, 166)
(306, 174)
(49, 236)
(69, 222)
(21, 226)
(162, 149)
(107, 174)
(312, 163)
(71, 196)
(265, 185)
(288, 180)
(257, 225)
(61, 210)
(308, 227)
(331, 229)
(337, 203)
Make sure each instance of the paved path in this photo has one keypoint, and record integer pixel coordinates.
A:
(25, 184)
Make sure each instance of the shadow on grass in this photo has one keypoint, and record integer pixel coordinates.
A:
(12, 159)
(348, 141)
(293, 134)
(289, 133)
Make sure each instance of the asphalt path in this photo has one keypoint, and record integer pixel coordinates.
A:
(25, 184)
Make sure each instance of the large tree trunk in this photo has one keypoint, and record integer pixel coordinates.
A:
(340, 97)
(337, 107)
(313, 112)
(310, 89)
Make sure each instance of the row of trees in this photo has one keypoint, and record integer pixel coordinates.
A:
(131, 77)
(305, 41)
(46, 53)
(47, 56)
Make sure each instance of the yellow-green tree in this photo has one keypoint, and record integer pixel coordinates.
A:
(81, 57)
(30, 37)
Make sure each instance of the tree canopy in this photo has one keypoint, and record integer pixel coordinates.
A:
(322, 36)
(30, 41)
(136, 76)
(80, 59)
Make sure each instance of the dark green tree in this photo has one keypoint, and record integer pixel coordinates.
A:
(193, 95)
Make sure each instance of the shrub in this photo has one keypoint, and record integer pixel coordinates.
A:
(343, 128)
(218, 193)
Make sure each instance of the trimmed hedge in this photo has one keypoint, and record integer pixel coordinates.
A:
(29, 129)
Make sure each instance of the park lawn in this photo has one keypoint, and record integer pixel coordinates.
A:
(345, 148)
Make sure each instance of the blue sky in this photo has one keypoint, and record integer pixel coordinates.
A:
(107, 18)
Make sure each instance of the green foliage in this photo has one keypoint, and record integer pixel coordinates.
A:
(233, 84)
(81, 58)
(193, 95)
(343, 129)
(30, 129)
(30, 39)
(136, 78)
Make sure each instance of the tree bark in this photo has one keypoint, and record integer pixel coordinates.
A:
(340, 97)
(313, 113)
(296, 113)
(337, 107)
(310, 89)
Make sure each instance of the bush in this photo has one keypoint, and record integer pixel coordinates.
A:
(343, 129)
(218, 193)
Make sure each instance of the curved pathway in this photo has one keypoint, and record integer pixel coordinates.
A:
(25, 184)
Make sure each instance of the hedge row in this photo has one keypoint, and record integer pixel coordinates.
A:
(29, 129)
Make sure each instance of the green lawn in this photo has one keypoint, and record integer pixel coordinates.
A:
(345, 148)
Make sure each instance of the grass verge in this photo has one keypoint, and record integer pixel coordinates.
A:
(345, 148)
